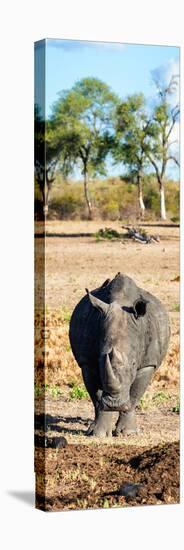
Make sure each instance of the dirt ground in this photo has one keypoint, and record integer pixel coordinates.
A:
(79, 477)
(88, 472)
(74, 263)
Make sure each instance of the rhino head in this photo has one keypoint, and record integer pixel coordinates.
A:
(117, 362)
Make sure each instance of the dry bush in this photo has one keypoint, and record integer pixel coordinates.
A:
(168, 374)
(54, 361)
(112, 198)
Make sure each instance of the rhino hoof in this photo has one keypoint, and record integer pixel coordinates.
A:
(127, 431)
(90, 429)
(102, 433)
(98, 431)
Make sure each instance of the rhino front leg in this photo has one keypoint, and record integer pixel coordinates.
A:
(102, 424)
(127, 421)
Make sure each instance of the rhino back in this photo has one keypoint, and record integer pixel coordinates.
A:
(153, 329)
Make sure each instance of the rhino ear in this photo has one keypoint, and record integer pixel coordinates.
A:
(106, 282)
(101, 306)
(140, 307)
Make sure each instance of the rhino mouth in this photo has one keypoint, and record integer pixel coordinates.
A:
(110, 403)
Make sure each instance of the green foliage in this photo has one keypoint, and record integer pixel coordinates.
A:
(82, 122)
(160, 397)
(53, 390)
(176, 408)
(107, 233)
(38, 390)
(66, 205)
(78, 392)
(90, 123)
(176, 307)
(66, 315)
(175, 219)
(144, 401)
(172, 196)
(132, 132)
(113, 199)
(152, 199)
(111, 210)
(148, 401)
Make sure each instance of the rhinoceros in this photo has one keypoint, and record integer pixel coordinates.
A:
(119, 335)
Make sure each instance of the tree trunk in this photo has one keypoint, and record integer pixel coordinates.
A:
(162, 201)
(45, 207)
(140, 196)
(87, 195)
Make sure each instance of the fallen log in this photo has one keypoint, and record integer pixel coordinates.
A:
(141, 236)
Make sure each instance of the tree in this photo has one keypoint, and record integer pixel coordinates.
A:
(131, 143)
(46, 158)
(160, 147)
(50, 155)
(82, 118)
(39, 148)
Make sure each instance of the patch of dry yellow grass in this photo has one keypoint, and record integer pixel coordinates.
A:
(53, 351)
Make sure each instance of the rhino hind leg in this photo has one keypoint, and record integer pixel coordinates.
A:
(127, 421)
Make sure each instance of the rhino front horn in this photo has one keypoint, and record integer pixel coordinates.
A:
(111, 381)
(98, 304)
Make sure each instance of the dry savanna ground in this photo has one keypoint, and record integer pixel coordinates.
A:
(88, 472)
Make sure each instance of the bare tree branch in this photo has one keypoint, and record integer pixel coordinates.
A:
(154, 164)
(172, 157)
(174, 118)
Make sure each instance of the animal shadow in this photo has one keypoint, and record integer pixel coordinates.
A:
(47, 422)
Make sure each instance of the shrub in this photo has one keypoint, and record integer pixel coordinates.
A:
(78, 392)
(66, 206)
(112, 199)
(176, 409)
(107, 233)
(111, 211)
(152, 199)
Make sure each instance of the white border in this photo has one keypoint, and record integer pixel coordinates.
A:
(22, 24)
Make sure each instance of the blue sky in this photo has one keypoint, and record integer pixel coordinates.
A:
(126, 68)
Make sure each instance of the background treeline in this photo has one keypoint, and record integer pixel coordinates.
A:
(112, 199)
(91, 131)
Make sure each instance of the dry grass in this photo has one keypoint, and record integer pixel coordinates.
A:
(53, 350)
(75, 263)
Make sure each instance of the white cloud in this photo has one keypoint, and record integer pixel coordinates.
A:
(163, 75)
(71, 45)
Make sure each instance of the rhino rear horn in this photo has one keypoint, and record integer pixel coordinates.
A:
(98, 304)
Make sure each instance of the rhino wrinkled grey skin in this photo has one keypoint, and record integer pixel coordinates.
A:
(119, 334)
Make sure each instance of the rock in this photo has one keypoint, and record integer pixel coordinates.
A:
(50, 442)
(130, 490)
